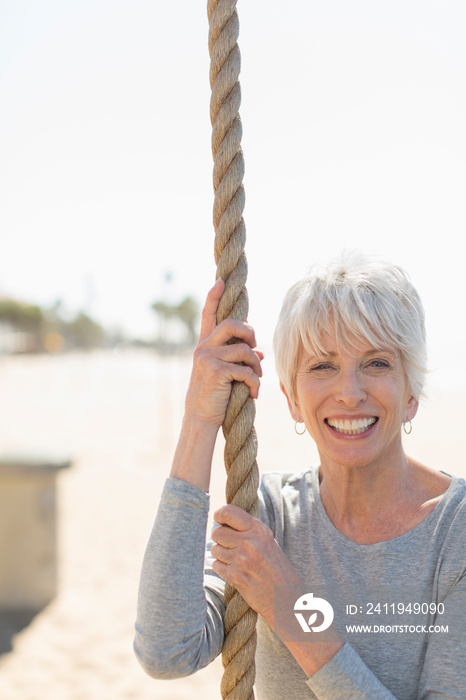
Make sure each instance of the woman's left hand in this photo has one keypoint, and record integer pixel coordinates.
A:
(249, 558)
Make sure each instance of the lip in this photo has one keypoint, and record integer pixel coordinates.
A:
(350, 416)
(358, 436)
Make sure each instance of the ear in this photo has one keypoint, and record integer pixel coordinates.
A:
(292, 405)
(411, 408)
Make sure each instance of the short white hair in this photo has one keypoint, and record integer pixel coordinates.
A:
(365, 299)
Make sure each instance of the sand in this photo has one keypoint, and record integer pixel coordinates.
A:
(117, 416)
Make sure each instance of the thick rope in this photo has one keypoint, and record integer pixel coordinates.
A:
(230, 235)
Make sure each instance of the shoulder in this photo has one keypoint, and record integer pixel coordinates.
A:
(452, 506)
(445, 522)
(447, 535)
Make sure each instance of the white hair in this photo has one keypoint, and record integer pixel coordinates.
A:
(364, 299)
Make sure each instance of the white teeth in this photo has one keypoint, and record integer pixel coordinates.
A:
(351, 427)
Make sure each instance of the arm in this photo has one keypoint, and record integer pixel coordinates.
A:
(179, 626)
(214, 369)
(248, 557)
(443, 675)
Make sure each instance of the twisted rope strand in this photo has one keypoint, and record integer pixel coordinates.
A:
(230, 236)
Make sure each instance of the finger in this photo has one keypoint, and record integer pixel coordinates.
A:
(226, 537)
(234, 517)
(231, 328)
(221, 569)
(242, 373)
(240, 352)
(223, 554)
(209, 312)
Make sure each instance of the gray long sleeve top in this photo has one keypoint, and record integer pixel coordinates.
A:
(414, 587)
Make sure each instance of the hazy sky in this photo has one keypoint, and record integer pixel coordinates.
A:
(354, 120)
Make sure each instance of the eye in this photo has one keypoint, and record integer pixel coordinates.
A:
(322, 367)
(379, 364)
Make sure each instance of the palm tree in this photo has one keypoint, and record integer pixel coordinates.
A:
(187, 312)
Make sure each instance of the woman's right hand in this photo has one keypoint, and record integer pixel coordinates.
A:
(215, 363)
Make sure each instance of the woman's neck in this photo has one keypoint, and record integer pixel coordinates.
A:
(375, 503)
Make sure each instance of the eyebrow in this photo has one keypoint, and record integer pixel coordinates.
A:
(372, 351)
(388, 351)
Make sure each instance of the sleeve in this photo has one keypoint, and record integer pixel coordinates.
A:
(179, 625)
(443, 674)
(346, 677)
(444, 669)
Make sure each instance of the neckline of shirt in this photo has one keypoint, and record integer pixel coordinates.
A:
(384, 544)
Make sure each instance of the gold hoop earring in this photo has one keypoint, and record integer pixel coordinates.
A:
(408, 430)
(296, 429)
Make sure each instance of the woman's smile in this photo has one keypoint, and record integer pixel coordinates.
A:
(351, 426)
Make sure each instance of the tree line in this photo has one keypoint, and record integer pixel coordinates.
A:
(39, 330)
(28, 327)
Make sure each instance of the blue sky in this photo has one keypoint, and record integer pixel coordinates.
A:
(354, 137)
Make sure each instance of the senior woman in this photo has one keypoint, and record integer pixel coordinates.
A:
(369, 539)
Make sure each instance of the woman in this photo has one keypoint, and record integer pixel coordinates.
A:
(369, 537)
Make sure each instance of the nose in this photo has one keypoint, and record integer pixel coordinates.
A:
(350, 389)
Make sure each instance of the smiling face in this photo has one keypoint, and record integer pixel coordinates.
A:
(353, 401)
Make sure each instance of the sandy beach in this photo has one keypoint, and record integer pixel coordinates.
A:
(116, 414)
